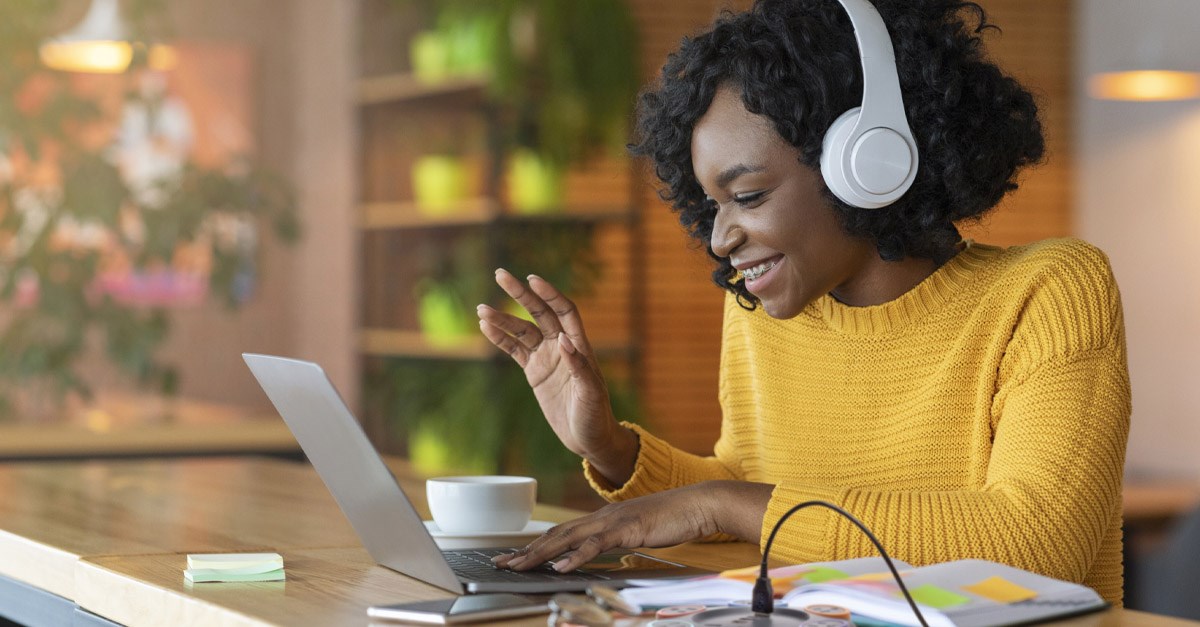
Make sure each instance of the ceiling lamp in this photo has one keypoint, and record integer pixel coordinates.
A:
(99, 44)
(1145, 85)
(1151, 61)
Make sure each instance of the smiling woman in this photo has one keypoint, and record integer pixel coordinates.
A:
(773, 223)
(963, 400)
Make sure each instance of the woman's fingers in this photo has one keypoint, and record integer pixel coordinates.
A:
(592, 546)
(543, 548)
(521, 330)
(568, 546)
(545, 318)
(564, 310)
(661, 519)
(505, 342)
(535, 552)
(577, 362)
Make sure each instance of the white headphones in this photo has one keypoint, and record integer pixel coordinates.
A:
(868, 156)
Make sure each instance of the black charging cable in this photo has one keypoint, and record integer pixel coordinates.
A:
(763, 599)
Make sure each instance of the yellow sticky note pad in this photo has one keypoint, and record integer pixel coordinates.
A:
(749, 573)
(875, 577)
(1000, 590)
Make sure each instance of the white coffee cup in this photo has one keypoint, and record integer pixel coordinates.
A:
(481, 504)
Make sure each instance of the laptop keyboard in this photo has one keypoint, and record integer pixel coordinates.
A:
(476, 565)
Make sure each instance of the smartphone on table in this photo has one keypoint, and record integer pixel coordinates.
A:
(465, 609)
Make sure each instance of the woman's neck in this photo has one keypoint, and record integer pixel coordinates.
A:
(882, 281)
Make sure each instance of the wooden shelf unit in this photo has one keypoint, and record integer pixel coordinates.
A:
(415, 344)
(407, 214)
(475, 211)
(407, 247)
(404, 343)
(407, 87)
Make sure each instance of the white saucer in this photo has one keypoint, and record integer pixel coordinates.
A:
(487, 539)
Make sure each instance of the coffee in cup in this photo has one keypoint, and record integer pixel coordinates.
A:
(481, 504)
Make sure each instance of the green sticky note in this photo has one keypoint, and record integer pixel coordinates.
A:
(935, 597)
(274, 575)
(821, 574)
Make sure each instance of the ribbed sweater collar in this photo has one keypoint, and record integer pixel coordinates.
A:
(928, 296)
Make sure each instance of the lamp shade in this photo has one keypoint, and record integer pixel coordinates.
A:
(99, 44)
(1150, 54)
(1145, 85)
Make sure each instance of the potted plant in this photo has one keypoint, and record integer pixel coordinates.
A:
(452, 285)
(565, 71)
(440, 183)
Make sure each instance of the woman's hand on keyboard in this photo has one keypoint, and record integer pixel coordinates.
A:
(657, 520)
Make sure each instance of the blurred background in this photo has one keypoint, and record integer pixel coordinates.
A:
(184, 181)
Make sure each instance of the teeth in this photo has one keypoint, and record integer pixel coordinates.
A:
(753, 273)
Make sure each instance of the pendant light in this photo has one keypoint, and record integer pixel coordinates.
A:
(1145, 85)
(100, 43)
(1150, 62)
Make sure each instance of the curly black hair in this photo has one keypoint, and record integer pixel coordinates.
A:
(797, 63)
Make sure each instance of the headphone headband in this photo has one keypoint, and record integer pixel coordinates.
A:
(869, 158)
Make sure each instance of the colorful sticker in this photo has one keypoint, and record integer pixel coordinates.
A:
(875, 577)
(935, 597)
(822, 574)
(1001, 590)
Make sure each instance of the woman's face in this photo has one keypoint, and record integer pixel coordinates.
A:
(772, 221)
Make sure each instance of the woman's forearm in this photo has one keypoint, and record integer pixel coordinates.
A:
(618, 461)
(738, 507)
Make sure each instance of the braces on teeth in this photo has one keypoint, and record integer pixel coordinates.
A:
(753, 273)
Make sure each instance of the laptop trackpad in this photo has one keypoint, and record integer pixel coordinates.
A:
(618, 561)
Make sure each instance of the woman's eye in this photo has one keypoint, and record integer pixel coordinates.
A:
(748, 199)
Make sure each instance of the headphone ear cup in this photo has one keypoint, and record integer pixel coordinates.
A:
(833, 149)
(874, 171)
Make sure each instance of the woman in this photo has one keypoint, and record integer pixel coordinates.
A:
(962, 400)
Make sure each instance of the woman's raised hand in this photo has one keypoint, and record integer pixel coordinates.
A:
(561, 368)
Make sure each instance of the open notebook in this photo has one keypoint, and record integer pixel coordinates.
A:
(965, 593)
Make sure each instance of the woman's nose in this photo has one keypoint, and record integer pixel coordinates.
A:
(726, 236)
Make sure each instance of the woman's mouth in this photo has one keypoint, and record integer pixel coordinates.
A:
(753, 273)
(759, 275)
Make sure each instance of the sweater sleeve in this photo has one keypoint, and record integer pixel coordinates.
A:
(659, 467)
(1052, 490)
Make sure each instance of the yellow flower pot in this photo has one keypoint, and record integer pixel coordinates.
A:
(439, 183)
(535, 185)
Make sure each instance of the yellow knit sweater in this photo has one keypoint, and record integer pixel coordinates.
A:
(984, 414)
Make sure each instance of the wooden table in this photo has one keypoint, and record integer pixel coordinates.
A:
(93, 542)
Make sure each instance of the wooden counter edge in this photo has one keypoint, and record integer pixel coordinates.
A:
(129, 601)
(39, 565)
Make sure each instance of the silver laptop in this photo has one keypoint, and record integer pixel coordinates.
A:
(383, 516)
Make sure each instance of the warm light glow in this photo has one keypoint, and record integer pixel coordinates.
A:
(100, 43)
(104, 57)
(1145, 85)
